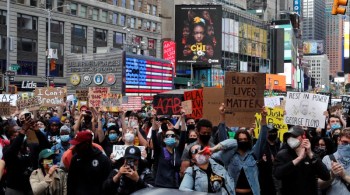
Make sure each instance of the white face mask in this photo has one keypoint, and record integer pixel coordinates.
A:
(129, 137)
(293, 142)
(133, 123)
(201, 159)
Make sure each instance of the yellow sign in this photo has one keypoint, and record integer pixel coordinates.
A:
(75, 79)
(274, 117)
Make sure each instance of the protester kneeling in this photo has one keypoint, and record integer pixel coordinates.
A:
(196, 177)
(132, 176)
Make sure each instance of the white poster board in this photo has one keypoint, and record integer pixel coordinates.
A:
(12, 98)
(306, 109)
(271, 102)
(119, 150)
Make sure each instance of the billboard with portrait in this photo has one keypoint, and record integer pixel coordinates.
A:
(198, 31)
(313, 47)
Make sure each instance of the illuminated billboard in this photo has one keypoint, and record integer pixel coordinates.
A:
(230, 35)
(313, 47)
(252, 40)
(346, 39)
(169, 48)
(198, 31)
(288, 34)
(146, 76)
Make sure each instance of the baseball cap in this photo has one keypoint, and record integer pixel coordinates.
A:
(132, 152)
(294, 131)
(82, 136)
(45, 154)
(54, 120)
(65, 128)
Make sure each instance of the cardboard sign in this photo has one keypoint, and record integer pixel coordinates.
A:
(187, 106)
(82, 94)
(244, 96)
(111, 102)
(12, 98)
(29, 104)
(345, 100)
(95, 95)
(275, 118)
(306, 109)
(49, 96)
(271, 102)
(119, 150)
(132, 103)
(5, 109)
(168, 104)
(197, 102)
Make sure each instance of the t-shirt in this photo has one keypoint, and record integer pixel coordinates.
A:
(185, 154)
(215, 182)
(242, 182)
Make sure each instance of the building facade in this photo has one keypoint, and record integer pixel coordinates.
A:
(319, 69)
(267, 10)
(313, 20)
(77, 26)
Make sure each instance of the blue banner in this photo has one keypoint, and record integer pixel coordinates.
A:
(297, 6)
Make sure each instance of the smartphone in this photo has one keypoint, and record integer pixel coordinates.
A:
(27, 115)
(130, 163)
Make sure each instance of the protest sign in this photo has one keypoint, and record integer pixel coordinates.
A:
(271, 102)
(12, 98)
(275, 118)
(197, 102)
(168, 104)
(306, 109)
(95, 94)
(244, 96)
(187, 106)
(49, 96)
(29, 104)
(345, 100)
(111, 102)
(82, 94)
(5, 109)
(132, 103)
(119, 150)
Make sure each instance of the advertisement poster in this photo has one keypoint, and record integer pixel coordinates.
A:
(198, 31)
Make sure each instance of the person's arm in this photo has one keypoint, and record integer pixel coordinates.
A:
(2, 168)
(156, 146)
(43, 141)
(60, 110)
(323, 184)
(142, 140)
(39, 186)
(283, 166)
(100, 134)
(77, 124)
(187, 182)
(222, 134)
(259, 146)
(111, 184)
(122, 117)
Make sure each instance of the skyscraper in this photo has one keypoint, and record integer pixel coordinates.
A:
(313, 19)
(266, 9)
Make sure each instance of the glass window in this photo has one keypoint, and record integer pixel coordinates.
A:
(115, 18)
(132, 4)
(78, 49)
(82, 12)
(119, 38)
(154, 10)
(57, 27)
(148, 25)
(139, 23)
(60, 5)
(104, 16)
(123, 3)
(2, 17)
(132, 22)
(78, 31)
(95, 14)
(139, 5)
(27, 68)
(20, 1)
(148, 9)
(115, 2)
(27, 22)
(3, 42)
(57, 70)
(100, 34)
(153, 26)
(33, 3)
(49, 4)
(73, 9)
(151, 43)
(122, 20)
(28, 45)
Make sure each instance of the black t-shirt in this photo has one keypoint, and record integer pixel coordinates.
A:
(242, 182)
(215, 182)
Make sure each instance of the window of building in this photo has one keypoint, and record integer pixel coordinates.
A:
(82, 12)
(119, 38)
(148, 25)
(27, 68)
(139, 23)
(57, 27)
(2, 42)
(27, 22)
(78, 49)
(60, 4)
(57, 71)
(154, 10)
(123, 3)
(20, 1)
(137, 40)
(132, 4)
(115, 18)
(100, 34)
(122, 19)
(104, 16)
(59, 47)
(132, 22)
(49, 4)
(33, 3)
(24, 44)
(95, 14)
(139, 5)
(151, 43)
(73, 9)
(3, 17)
(153, 26)
(79, 31)
(148, 9)
(115, 2)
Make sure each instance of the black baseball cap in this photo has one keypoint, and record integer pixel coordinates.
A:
(132, 152)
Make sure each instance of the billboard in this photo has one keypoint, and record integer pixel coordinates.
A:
(169, 48)
(346, 39)
(252, 40)
(230, 35)
(313, 47)
(297, 6)
(198, 31)
(287, 73)
(288, 34)
(147, 76)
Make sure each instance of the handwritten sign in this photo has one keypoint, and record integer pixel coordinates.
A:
(168, 104)
(119, 150)
(244, 96)
(306, 109)
(5, 109)
(275, 118)
(29, 104)
(111, 102)
(197, 102)
(345, 100)
(49, 96)
(272, 101)
(82, 94)
(187, 106)
(95, 95)
(12, 98)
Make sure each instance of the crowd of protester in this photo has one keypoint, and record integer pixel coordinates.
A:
(66, 150)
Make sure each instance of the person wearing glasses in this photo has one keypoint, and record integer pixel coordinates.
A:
(168, 158)
(338, 164)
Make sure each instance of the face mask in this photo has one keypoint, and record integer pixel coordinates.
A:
(320, 150)
(68, 115)
(129, 137)
(201, 159)
(344, 151)
(113, 137)
(42, 129)
(335, 126)
(204, 138)
(272, 137)
(293, 142)
(133, 123)
(110, 124)
(64, 138)
(190, 127)
(191, 140)
(170, 141)
(244, 146)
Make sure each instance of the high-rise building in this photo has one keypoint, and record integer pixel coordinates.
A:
(267, 10)
(333, 39)
(319, 69)
(313, 20)
(286, 5)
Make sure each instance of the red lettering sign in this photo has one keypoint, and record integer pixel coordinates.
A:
(197, 102)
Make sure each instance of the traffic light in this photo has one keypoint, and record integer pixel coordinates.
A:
(52, 64)
(12, 89)
(339, 10)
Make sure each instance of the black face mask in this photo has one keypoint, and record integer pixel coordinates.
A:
(272, 137)
(190, 127)
(244, 146)
(191, 140)
(204, 138)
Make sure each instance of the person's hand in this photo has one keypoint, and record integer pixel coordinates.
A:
(132, 174)
(52, 169)
(338, 113)
(263, 111)
(27, 124)
(337, 169)
(144, 154)
(301, 152)
(307, 145)
(222, 108)
(325, 113)
(122, 171)
(170, 126)
(155, 125)
(183, 113)
(154, 112)
(112, 158)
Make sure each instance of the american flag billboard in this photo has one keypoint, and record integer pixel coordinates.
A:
(132, 103)
(146, 76)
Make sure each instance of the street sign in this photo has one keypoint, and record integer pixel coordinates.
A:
(10, 73)
(14, 67)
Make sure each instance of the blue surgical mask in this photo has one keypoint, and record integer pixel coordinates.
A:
(344, 151)
(64, 138)
(170, 141)
(335, 126)
(110, 124)
(113, 137)
(42, 129)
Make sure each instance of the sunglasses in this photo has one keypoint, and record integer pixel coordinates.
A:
(195, 151)
(169, 135)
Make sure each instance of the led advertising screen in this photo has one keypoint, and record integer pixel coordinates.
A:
(198, 31)
(313, 47)
(169, 48)
(346, 39)
(146, 78)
